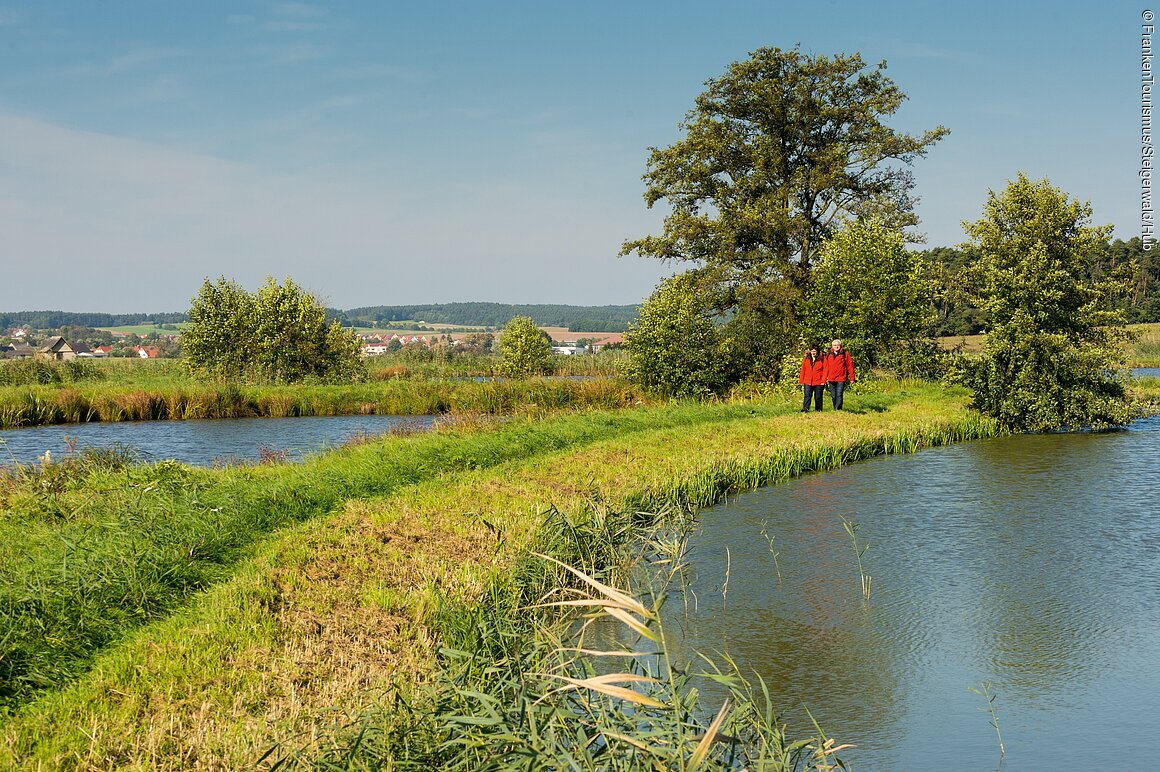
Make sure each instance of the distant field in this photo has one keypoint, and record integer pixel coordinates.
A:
(563, 333)
(146, 329)
(428, 329)
(1146, 349)
(1144, 352)
(972, 344)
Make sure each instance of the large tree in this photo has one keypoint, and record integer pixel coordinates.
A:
(1056, 329)
(776, 153)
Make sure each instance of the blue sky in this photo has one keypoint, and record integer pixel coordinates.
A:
(389, 153)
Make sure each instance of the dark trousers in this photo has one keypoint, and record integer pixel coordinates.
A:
(836, 390)
(814, 392)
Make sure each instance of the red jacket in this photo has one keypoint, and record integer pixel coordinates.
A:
(839, 367)
(813, 373)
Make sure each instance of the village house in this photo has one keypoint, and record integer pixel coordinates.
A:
(17, 351)
(374, 349)
(58, 349)
(608, 340)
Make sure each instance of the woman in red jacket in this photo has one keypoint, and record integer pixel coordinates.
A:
(813, 378)
(839, 368)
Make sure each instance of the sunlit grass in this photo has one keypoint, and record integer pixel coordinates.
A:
(306, 628)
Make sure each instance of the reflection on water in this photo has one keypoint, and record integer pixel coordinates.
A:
(205, 441)
(1032, 562)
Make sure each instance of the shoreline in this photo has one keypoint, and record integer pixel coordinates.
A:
(331, 611)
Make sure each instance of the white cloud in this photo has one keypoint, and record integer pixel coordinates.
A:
(128, 225)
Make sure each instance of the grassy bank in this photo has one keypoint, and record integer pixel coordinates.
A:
(1142, 352)
(86, 558)
(113, 400)
(1145, 351)
(316, 588)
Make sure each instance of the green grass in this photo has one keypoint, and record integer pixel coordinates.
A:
(1145, 350)
(146, 329)
(164, 395)
(316, 588)
(85, 558)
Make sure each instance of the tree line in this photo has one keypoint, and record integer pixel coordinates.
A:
(602, 318)
(949, 270)
(52, 320)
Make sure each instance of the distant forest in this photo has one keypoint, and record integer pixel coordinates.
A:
(575, 318)
(51, 320)
(949, 273)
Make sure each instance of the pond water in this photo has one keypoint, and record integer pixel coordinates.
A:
(202, 442)
(1146, 372)
(1030, 562)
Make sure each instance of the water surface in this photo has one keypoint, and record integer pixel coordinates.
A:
(1031, 562)
(202, 442)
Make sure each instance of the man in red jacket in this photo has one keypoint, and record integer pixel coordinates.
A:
(839, 372)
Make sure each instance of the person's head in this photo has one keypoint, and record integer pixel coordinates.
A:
(813, 349)
(836, 346)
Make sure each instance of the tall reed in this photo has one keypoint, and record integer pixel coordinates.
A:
(521, 683)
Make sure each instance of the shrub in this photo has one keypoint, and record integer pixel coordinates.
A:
(1057, 335)
(525, 349)
(674, 348)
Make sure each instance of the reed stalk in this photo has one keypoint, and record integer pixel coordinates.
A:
(984, 691)
(852, 530)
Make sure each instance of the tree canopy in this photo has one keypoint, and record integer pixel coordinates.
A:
(776, 154)
(278, 333)
(1057, 329)
(869, 291)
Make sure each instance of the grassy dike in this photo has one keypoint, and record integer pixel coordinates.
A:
(314, 617)
(303, 622)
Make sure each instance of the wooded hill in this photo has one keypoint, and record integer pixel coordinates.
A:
(576, 318)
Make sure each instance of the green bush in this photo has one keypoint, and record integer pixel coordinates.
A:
(277, 334)
(924, 359)
(674, 348)
(1057, 335)
(869, 291)
(525, 350)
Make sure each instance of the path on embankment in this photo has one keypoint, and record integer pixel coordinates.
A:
(327, 597)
